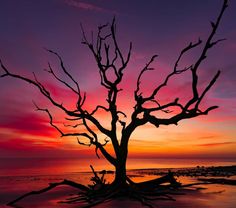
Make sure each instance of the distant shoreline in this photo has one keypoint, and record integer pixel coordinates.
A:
(224, 170)
(39, 167)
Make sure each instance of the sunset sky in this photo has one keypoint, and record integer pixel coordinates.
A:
(154, 27)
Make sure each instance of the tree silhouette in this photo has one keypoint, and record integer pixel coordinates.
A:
(109, 57)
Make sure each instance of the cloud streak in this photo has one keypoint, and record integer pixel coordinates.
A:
(22, 147)
(87, 6)
(27, 123)
(215, 144)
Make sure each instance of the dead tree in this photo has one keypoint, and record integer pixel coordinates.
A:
(109, 57)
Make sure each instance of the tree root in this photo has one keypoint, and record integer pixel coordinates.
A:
(51, 186)
(99, 192)
(89, 197)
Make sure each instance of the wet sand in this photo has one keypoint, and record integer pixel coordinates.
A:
(207, 195)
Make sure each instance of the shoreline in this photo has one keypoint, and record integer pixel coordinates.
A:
(181, 171)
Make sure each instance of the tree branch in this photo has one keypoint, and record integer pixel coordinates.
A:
(185, 109)
(209, 43)
(97, 107)
(212, 82)
(51, 71)
(175, 70)
(77, 91)
(146, 68)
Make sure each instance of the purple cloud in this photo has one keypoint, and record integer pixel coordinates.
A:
(87, 6)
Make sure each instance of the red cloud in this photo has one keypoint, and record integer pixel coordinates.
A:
(20, 147)
(215, 144)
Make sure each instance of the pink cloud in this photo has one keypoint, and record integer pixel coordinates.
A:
(27, 123)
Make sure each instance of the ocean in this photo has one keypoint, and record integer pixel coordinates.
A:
(52, 166)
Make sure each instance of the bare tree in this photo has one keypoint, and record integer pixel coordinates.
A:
(110, 58)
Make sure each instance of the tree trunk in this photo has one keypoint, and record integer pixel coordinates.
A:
(120, 173)
(120, 167)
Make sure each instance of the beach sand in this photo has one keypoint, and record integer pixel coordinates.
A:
(208, 196)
